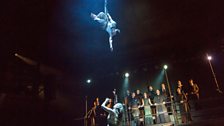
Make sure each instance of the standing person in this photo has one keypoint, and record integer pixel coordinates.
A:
(167, 97)
(92, 114)
(193, 94)
(181, 86)
(163, 90)
(127, 98)
(127, 103)
(194, 90)
(115, 114)
(134, 110)
(184, 109)
(107, 23)
(100, 118)
(96, 114)
(140, 106)
(161, 110)
(151, 95)
(115, 96)
(147, 110)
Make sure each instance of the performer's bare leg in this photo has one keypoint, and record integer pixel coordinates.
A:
(111, 43)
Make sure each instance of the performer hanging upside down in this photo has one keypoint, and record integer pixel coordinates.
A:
(107, 23)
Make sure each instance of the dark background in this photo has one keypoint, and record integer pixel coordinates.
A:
(61, 35)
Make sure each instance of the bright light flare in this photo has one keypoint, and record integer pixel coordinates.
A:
(209, 57)
(88, 81)
(165, 67)
(126, 75)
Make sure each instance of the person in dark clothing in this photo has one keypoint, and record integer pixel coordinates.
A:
(194, 90)
(193, 95)
(164, 91)
(167, 97)
(182, 87)
(151, 95)
(184, 109)
(139, 96)
(134, 110)
(127, 100)
(161, 110)
(100, 115)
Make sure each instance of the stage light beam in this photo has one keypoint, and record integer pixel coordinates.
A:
(169, 89)
(214, 75)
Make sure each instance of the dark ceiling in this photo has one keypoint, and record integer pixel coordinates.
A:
(61, 33)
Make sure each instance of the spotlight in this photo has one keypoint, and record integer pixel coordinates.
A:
(126, 74)
(165, 67)
(88, 81)
(209, 57)
(16, 54)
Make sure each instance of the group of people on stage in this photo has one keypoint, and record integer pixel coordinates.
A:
(144, 109)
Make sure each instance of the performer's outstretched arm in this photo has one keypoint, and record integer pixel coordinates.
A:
(109, 110)
(94, 17)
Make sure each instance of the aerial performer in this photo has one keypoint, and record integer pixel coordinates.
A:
(107, 23)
